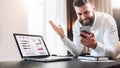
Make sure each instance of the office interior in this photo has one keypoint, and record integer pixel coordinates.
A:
(32, 16)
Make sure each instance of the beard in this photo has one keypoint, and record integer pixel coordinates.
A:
(88, 21)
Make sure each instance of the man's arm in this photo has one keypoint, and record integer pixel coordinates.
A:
(75, 49)
(109, 45)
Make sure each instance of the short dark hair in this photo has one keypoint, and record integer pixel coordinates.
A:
(79, 3)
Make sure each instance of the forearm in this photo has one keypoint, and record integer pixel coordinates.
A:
(74, 49)
(104, 50)
(107, 41)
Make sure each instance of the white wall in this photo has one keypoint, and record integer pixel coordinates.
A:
(13, 19)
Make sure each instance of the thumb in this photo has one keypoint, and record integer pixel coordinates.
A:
(60, 26)
(92, 34)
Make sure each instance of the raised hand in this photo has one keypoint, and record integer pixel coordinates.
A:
(59, 29)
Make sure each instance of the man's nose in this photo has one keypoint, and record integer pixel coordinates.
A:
(83, 17)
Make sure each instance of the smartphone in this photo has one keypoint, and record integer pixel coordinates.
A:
(85, 29)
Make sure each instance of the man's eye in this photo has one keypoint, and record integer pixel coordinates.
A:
(79, 13)
(87, 12)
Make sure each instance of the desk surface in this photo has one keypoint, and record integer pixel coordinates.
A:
(61, 64)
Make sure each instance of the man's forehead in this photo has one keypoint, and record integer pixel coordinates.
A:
(84, 8)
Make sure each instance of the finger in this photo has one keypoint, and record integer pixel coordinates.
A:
(91, 34)
(60, 27)
(83, 39)
(53, 25)
(85, 35)
(84, 43)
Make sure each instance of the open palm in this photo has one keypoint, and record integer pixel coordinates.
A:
(59, 29)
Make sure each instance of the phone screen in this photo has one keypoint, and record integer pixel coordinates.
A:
(85, 29)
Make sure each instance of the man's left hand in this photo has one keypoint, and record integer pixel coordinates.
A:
(88, 40)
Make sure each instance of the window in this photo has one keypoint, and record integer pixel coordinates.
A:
(116, 3)
(39, 14)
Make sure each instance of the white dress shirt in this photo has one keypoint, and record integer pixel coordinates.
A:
(106, 35)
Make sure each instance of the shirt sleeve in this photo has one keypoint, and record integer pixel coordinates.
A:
(74, 46)
(110, 40)
(70, 46)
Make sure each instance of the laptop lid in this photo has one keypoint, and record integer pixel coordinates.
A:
(31, 46)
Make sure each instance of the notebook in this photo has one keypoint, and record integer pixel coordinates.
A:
(33, 47)
(94, 58)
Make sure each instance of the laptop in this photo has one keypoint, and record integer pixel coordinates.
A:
(33, 47)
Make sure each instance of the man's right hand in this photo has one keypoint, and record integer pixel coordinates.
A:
(59, 29)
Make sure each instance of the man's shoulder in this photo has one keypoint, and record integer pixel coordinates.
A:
(76, 25)
(103, 15)
(77, 22)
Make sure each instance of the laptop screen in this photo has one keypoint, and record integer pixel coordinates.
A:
(31, 45)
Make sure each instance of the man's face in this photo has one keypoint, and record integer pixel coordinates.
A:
(85, 14)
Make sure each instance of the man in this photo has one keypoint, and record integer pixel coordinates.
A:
(103, 38)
